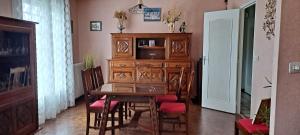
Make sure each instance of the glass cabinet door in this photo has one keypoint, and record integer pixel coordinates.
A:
(14, 60)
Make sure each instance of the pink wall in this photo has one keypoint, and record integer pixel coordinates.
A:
(98, 44)
(263, 55)
(5, 8)
(288, 87)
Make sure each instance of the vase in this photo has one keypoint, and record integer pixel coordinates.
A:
(171, 27)
(121, 26)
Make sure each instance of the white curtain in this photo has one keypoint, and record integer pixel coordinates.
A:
(54, 53)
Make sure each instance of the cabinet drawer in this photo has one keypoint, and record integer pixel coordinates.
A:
(123, 64)
(150, 64)
(178, 64)
(122, 75)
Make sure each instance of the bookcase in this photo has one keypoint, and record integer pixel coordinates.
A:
(149, 58)
(18, 96)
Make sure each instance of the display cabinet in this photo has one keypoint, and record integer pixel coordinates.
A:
(18, 96)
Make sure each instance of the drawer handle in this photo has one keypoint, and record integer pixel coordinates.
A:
(122, 65)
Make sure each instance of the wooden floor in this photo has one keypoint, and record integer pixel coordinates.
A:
(202, 122)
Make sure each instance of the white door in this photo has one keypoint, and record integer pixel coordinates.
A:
(220, 60)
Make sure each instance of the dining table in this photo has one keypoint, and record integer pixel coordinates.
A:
(134, 93)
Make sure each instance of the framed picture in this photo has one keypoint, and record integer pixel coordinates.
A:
(96, 26)
(152, 14)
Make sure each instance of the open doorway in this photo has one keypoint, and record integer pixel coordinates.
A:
(247, 60)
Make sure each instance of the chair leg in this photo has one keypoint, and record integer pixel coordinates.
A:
(88, 123)
(121, 111)
(187, 124)
(236, 130)
(160, 123)
(113, 123)
(126, 109)
(129, 105)
(96, 119)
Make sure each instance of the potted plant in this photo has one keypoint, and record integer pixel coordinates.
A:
(171, 18)
(122, 17)
(88, 62)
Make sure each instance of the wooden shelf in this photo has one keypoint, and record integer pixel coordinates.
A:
(153, 47)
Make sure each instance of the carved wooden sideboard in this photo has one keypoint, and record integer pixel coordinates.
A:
(149, 58)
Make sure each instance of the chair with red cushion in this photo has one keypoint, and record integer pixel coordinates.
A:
(246, 126)
(258, 126)
(172, 97)
(93, 104)
(171, 112)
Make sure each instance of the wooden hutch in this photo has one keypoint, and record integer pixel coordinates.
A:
(18, 95)
(149, 58)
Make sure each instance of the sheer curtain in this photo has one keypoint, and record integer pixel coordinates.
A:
(54, 53)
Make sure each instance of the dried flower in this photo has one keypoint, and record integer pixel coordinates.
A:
(172, 16)
(121, 15)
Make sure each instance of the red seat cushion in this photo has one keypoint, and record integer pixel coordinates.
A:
(252, 129)
(170, 107)
(166, 98)
(99, 104)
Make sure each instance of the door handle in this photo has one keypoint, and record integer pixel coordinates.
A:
(205, 59)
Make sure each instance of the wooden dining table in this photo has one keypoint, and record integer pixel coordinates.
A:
(135, 93)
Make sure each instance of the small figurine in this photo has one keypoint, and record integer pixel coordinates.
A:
(182, 27)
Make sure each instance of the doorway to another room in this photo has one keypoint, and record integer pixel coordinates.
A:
(247, 60)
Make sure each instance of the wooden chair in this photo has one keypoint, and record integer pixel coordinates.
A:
(171, 112)
(173, 97)
(99, 81)
(93, 104)
(258, 127)
(17, 77)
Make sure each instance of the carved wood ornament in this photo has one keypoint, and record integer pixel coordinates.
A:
(122, 47)
(269, 24)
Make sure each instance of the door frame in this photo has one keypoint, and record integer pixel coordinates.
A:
(240, 53)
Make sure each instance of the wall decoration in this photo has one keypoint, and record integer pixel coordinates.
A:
(137, 9)
(152, 14)
(171, 17)
(96, 25)
(269, 24)
(122, 17)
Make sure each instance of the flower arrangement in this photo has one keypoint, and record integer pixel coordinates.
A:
(122, 17)
(172, 16)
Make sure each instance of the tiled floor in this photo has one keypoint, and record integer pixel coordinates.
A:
(202, 122)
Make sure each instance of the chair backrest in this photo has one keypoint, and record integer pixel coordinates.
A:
(189, 87)
(98, 77)
(87, 82)
(180, 83)
(17, 77)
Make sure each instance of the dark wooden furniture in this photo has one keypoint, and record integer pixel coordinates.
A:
(150, 58)
(172, 97)
(93, 103)
(131, 93)
(18, 91)
(171, 112)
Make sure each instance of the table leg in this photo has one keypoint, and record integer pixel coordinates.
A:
(104, 117)
(154, 116)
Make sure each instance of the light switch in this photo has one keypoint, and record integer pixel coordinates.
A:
(294, 67)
